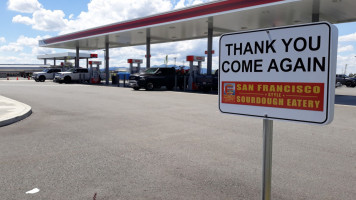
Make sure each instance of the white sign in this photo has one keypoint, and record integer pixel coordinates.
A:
(134, 61)
(195, 58)
(285, 73)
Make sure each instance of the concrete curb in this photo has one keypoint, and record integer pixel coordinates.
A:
(12, 111)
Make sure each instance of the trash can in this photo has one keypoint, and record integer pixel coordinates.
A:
(114, 80)
(124, 76)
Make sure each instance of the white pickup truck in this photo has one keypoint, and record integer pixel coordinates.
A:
(76, 75)
(46, 74)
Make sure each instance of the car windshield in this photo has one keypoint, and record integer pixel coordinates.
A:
(151, 71)
(70, 70)
(45, 70)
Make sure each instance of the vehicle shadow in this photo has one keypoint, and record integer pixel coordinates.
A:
(345, 100)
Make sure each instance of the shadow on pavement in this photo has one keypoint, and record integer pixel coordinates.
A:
(345, 100)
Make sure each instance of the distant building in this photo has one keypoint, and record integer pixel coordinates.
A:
(23, 70)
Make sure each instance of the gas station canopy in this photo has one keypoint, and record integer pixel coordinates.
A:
(65, 56)
(193, 22)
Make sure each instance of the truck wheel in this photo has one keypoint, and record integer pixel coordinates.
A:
(348, 84)
(42, 79)
(67, 79)
(136, 88)
(149, 86)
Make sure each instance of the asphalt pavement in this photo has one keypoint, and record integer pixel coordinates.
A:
(116, 143)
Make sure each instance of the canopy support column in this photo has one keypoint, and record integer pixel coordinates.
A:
(316, 10)
(54, 61)
(107, 63)
(77, 57)
(45, 61)
(87, 63)
(210, 45)
(148, 48)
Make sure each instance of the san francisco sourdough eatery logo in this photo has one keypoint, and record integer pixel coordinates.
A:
(303, 96)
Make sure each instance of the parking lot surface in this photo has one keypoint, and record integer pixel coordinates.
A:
(117, 143)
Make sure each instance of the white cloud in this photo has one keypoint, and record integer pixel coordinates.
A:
(44, 20)
(48, 20)
(24, 6)
(27, 41)
(197, 2)
(41, 50)
(24, 50)
(185, 3)
(10, 59)
(180, 4)
(110, 11)
(22, 58)
(348, 38)
(2, 40)
(100, 12)
(23, 20)
(349, 60)
(21, 43)
(11, 47)
(345, 48)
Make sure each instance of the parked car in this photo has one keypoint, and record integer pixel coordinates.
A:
(346, 80)
(46, 74)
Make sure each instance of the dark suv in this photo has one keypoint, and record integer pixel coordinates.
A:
(346, 80)
(153, 78)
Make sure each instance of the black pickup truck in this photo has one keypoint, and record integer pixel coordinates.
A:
(154, 78)
(346, 80)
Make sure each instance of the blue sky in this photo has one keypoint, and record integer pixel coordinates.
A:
(24, 22)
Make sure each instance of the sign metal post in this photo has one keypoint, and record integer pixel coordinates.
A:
(267, 158)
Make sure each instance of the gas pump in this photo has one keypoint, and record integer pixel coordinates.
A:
(133, 69)
(194, 70)
(94, 72)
